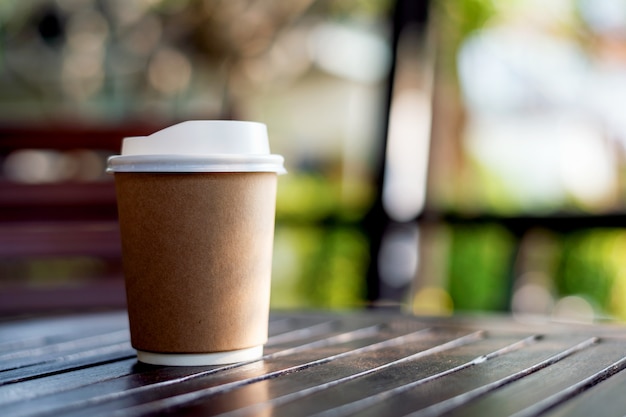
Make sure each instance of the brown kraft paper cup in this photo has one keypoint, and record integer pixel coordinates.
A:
(197, 252)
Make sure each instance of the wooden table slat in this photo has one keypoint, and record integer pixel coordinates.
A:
(445, 388)
(548, 387)
(284, 369)
(366, 377)
(321, 364)
(603, 397)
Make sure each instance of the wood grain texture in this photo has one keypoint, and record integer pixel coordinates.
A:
(321, 364)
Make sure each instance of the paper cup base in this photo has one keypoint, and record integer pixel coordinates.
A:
(199, 359)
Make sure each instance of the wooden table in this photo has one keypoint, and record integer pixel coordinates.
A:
(363, 363)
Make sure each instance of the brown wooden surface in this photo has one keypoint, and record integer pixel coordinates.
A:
(363, 363)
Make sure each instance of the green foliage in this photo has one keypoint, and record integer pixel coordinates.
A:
(479, 267)
(586, 266)
(456, 20)
(319, 267)
(467, 15)
(308, 197)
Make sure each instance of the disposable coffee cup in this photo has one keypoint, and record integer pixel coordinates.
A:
(196, 205)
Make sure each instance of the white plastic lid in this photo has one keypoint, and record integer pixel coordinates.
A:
(200, 146)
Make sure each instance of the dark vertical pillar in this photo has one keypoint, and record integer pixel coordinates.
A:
(405, 13)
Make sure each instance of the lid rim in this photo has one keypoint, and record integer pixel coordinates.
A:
(196, 163)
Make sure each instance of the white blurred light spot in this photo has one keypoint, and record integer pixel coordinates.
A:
(83, 63)
(350, 52)
(604, 15)
(36, 166)
(169, 71)
(87, 31)
(404, 188)
(398, 257)
(573, 308)
(145, 35)
(588, 167)
(545, 157)
(532, 299)
(512, 70)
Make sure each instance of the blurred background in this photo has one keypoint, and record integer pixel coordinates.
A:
(445, 156)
